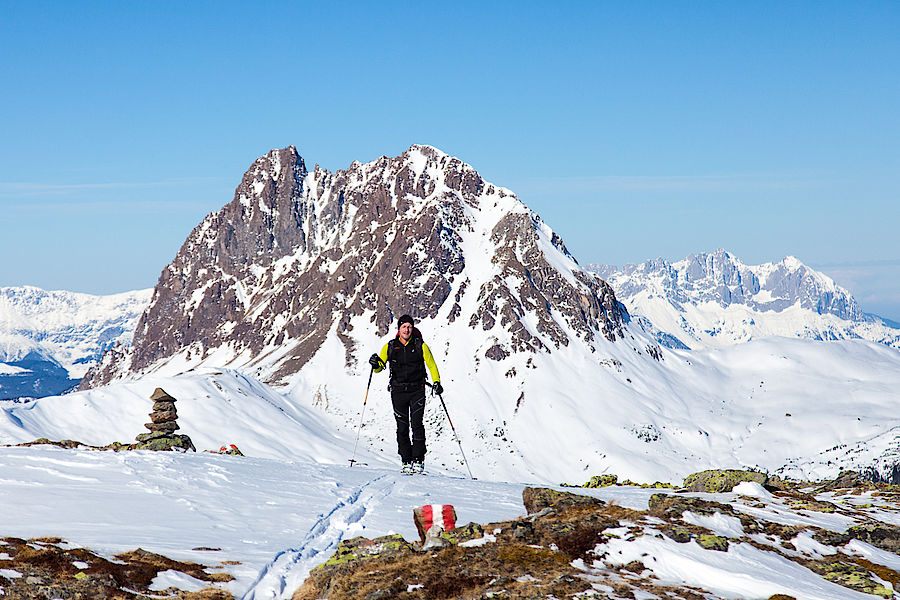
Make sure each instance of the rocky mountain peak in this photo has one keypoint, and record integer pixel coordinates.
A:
(300, 255)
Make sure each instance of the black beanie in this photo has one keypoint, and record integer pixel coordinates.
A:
(405, 319)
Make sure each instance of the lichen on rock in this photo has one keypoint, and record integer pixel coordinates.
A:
(360, 548)
(721, 480)
(536, 499)
(713, 542)
(598, 481)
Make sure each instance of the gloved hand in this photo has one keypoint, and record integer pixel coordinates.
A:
(375, 361)
(437, 388)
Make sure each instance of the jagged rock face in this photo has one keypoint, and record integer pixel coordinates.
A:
(300, 253)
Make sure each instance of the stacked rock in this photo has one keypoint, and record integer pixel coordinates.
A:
(162, 426)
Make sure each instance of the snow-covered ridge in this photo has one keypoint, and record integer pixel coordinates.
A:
(63, 331)
(714, 299)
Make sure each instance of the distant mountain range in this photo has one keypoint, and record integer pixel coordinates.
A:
(48, 340)
(714, 299)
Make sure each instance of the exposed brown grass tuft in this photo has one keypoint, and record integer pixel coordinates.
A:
(49, 571)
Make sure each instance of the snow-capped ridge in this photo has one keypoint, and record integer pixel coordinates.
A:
(715, 299)
(48, 339)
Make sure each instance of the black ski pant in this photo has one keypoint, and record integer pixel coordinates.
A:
(409, 410)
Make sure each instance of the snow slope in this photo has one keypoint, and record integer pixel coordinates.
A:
(761, 404)
(215, 408)
(278, 518)
(284, 508)
(767, 404)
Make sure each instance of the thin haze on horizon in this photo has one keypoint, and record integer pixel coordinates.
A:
(636, 131)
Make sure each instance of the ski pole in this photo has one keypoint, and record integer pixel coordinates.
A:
(441, 398)
(359, 429)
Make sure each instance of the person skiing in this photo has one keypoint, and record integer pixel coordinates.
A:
(408, 355)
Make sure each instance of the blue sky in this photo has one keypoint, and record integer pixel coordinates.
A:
(636, 129)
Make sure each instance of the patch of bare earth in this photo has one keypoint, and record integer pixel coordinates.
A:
(48, 568)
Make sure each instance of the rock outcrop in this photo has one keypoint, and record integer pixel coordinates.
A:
(54, 568)
(722, 480)
(570, 546)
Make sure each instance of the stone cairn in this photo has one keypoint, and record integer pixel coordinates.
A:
(162, 426)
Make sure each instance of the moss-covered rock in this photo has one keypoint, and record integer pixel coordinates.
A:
(68, 444)
(721, 480)
(147, 441)
(360, 548)
(117, 447)
(850, 575)
(845, 480)
(880, 535)
(831, 538)
(466, 533)
(598, 481)
(886, 537)
(678, 534)
(166, 443)
(536, 499)
(654, 485)
(810, 504)
(672, 506)
(713, 542)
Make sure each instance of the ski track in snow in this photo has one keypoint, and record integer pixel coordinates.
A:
(290, 567)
